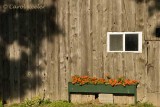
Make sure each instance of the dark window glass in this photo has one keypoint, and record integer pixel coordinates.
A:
(131, 42)
(116, 42)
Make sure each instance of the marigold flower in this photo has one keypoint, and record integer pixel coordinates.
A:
(93, 80)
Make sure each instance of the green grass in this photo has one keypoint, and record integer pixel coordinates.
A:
(146, 104)
(115, 105)
(37, 102)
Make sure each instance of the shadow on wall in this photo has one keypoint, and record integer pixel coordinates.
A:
(152, 10)
(27, 29)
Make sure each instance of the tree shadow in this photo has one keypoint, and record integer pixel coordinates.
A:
(152, 10)
(27, 29)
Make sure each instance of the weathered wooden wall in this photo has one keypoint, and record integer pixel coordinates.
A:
(79, 48)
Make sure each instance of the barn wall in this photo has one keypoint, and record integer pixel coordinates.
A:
(72, 41)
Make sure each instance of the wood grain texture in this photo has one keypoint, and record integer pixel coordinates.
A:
(153, 67)
(79, 48)
(151, 22)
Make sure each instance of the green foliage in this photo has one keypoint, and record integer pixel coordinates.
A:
(110, 105)
(85, 105)
(45, 102)
(15, 105)
(34, 102)
(146, 104)
(60, 104)
(1, 105)
(38, 102)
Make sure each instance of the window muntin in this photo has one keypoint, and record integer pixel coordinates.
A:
(124, 42)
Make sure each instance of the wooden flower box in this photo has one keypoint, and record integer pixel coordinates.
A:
(102, 88)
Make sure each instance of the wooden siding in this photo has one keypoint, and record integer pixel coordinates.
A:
(70, 39)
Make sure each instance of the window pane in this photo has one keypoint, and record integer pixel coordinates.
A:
(131, 42)
(116, 42)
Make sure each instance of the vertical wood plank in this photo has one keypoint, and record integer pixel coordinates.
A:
(105, 29)
(97, 49)
(129, 25)
(75, 38)
(53, 69)
(56, 62)
(57, 68)
(109, 56)
(23, 74)
(116, 27)
(100, 47)
(17, 77)
(128, 16)
(11, 57)
(94, 35)
(81, 50)
(151, 21)
(67, 49)
(67, 44)
(117, 15)
(40, 58)
(153, 67)
(141, 59)
(29, 73)
(90, 39)
(85, 42)
(44, 90)
(61, 22)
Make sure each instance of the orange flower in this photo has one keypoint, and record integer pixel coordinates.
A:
(93, 80)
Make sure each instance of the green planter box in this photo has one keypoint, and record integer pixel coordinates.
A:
(102, 88)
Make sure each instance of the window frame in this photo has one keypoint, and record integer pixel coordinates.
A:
(123, 46)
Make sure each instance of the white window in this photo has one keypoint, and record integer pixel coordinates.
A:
(124, 42)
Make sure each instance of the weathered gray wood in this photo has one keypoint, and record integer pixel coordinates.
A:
(80, 49)
(84, 34)
(97, 41)
(63, 83)
(151, 21)
(153, 67)
(90, 39)
(117, 26)
(52, 77)
(67, 45)
(108, 64)
(104, 30)
(141, 59)
(154, 98)
(74, 36)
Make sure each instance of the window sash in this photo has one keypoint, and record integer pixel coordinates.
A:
(124, 33)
